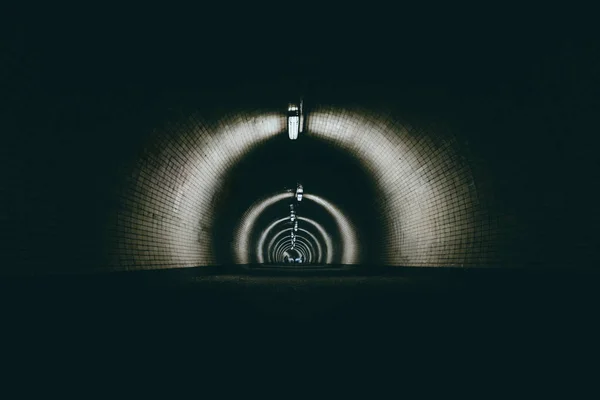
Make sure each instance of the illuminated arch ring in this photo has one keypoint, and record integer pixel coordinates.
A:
(318, 252)
(242, 243)
(286, 245)
(281, 244)
(287, 253)
(287, 249)
(299, 238)
(300, 243)
(346, 229)
(348, 234)
(318, 227)
(270, 249)
(261, 248)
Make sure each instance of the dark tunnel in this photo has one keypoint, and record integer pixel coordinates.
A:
(150, 174)
(328, 171)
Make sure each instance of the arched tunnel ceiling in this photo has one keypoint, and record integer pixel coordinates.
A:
(426, 197)
(133, 153)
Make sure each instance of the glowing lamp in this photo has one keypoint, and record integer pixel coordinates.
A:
(299, 192)
(293, 121)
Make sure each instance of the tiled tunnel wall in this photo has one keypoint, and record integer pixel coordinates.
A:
(168, 205)
(73, 115)
(434, 208)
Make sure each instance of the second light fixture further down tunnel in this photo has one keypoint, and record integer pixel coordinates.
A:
(349, 247)
(431, 208)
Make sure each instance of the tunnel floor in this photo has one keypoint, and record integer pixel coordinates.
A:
(310, 294)
(487, 318)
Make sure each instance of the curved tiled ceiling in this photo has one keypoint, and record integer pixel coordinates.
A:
(484, 160)
(429, 207)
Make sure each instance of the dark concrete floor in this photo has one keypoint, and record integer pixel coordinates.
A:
(488, 317)
(386, 295)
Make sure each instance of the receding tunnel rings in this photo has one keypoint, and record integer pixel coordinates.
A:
(302, 254)
(326, 238)
(301, 242)
(350, 245)
(260, 249)
(311, 249)
(318, 253)
(242, 242)
(290, 256)
(307, 255)
(300, 249)
(287, 245)
(283, 244)
(319, 249)
(273, 251)
(280, 247)
(347, 231)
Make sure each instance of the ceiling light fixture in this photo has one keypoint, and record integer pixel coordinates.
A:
(299, 192)
(293, 121)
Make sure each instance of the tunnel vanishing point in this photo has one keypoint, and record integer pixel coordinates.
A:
(155, 164)
(376, 190)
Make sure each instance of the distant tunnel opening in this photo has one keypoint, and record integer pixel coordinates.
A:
(276, 167)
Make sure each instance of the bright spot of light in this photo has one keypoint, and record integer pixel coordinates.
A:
(293, 127)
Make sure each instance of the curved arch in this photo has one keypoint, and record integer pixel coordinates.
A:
(319, 252)
(325, 235)
(261, 242)
(318, 244)
(286, 248)
(303, 252)
(242, 243)
(287, 253)
(286, 245)
(303, 243)
(349, 239)
(280, 246)
(269, 249)
(203, 152)
(423, 183)
(281, 243)
(319, 227)
(306, 245)
(300, 252)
